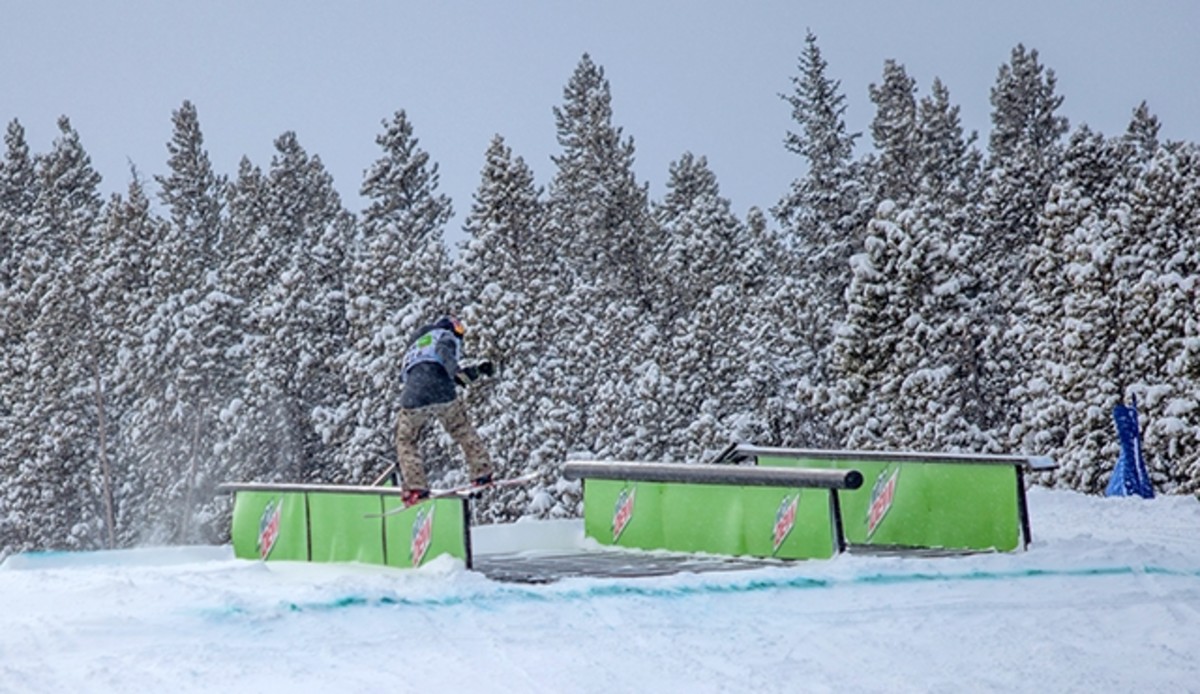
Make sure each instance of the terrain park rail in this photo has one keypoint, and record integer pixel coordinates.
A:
(751, 502)
(920, 502)
(716, 509)
(331, 523)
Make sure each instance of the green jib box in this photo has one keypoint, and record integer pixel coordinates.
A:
(330, 523)
(909, 502)
(925, 501)
(791, 504)
(716, 519)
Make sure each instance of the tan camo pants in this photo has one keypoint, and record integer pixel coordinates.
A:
(453, 416)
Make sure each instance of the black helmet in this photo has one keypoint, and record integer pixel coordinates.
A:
(454, 325)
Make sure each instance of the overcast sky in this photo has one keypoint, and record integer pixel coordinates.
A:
(686, 75)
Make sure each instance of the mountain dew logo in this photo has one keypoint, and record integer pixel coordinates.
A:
(623, 511)
(422, 534)
(268, 527)
(883, 494)
(785, 520)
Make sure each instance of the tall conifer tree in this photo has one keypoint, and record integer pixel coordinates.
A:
(599, 209)
(896, 170)
(823, 218)
(59, 480)
(297, 321)
(398, 282)
(1159, 346)
(713, 352)
(123, 294)
(506, 281)
(1072, 323)
(599, 215)
(1023, 154)
(18, 192)
(189, 364)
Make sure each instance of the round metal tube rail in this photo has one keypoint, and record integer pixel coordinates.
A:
(1035, 463)
(735, 475)
(308, 487)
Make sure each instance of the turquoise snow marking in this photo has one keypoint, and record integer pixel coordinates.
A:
(636, 589)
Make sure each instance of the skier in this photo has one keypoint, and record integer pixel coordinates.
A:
(430, 373)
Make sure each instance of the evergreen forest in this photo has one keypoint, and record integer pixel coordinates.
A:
(924, 289)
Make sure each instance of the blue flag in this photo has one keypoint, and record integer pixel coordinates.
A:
(1129, 477)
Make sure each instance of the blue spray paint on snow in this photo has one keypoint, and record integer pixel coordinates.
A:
(626, 588)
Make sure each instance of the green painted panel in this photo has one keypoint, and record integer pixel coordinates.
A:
(427, 530)
(334, 526)
(341, 532)
(270, 525)
(969, 506)
(718, 519)
(705, 519)
(627, 514)
(769, 533)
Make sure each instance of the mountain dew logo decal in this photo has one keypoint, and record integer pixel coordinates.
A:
(785, 520)
(422, 534)
(882, 496)
(623, 511)
(268, 527)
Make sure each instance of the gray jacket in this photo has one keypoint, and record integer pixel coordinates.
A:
(430, 367)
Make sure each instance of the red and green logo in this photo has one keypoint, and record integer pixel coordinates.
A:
(268, 527)
(883, 494)
(422, 534)
(785, 520)
(623, 511)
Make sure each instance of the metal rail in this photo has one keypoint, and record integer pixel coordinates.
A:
(295, 487)
(714, 474)
(1030, 463)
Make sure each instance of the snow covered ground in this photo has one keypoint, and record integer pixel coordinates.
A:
(1107, 599)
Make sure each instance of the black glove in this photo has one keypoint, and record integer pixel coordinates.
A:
(470, 374)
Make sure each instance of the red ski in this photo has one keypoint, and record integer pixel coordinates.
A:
(467, 491)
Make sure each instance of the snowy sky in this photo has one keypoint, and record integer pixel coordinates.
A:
(691, 76)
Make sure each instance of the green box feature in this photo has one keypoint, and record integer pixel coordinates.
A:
(717, 519)
(328, 523)
(969, 506)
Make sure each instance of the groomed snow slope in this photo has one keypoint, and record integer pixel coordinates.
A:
(1107, 599)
